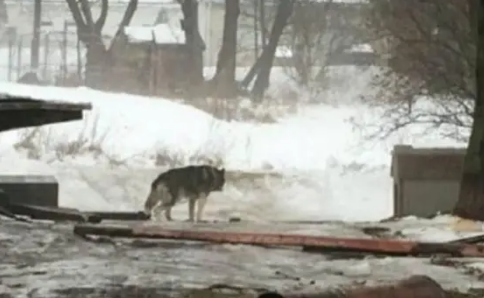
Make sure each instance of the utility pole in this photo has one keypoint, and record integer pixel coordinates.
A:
(34, 49)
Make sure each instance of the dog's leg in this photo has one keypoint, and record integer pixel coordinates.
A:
(168, 201)
(156, 212)
(202, 201)
(168, 214)
(191, 208)
(158, 201)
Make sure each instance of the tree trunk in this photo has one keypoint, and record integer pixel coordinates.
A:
(262, 20)
(252, 72)
(98, 65)
(3, 13)
(99, 61)
(224, 79)
(256, 28)
(284, 11)
(471, 196)
(193, 39)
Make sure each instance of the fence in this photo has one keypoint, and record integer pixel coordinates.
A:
(60, 55)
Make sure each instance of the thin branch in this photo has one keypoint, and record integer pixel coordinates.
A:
(127, 17)
(101, 21)
(86, 11)
(78, 19)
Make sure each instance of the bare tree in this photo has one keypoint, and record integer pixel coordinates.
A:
(3, 13)
(99, 58)
(255, 5)
(436, 51)
(256, 17)
(262, 17)
(224, 79)
(315, 33)
(471, 196)
(429, 53)
(5, 34)
(193, 39)
(262, 67)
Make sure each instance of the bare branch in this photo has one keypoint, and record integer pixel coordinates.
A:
(78, 19)
(316, 32)
(86, 11)
(128, 16)
(431, 59)
(101, 21)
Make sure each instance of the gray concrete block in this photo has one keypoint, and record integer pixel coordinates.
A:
(31, 189)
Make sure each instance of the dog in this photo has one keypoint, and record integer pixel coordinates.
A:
(193, 182)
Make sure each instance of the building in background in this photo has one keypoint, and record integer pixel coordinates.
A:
(149, 13)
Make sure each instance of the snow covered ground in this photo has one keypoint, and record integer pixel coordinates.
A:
(330, 172)
(327, 171)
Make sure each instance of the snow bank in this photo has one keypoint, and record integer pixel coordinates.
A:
(138, 127)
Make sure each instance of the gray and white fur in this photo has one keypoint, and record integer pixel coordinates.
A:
(192, 182)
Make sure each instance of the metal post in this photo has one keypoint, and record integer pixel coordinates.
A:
(12, 38)
(34, 50)
(64, 50)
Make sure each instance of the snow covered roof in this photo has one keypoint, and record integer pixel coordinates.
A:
(160, 33)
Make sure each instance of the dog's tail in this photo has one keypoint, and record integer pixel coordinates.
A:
(159, 195)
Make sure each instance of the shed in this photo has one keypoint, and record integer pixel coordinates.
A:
(153, 60)
(425, 180)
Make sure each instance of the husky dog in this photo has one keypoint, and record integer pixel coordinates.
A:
(192, 182)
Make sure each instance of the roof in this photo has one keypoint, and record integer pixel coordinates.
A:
(411, 163)
(20, 112)
(159, 34)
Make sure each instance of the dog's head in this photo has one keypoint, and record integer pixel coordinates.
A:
(219, 179)
(152, 200)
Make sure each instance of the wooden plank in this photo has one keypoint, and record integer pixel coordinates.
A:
(469, 240)
(11, 210)
(320, 243)
(7, 213)
(120, 215)
(49, 213)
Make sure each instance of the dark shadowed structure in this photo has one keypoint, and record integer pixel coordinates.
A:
(20, 112)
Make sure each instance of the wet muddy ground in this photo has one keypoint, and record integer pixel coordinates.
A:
(48, 260)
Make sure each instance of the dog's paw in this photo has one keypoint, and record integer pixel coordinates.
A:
(157, 219)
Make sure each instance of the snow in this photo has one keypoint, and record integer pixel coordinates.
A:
(317, 167)
(160, 33)
(135, 129)
(330, 172)
(367, 48)
(283, 52)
